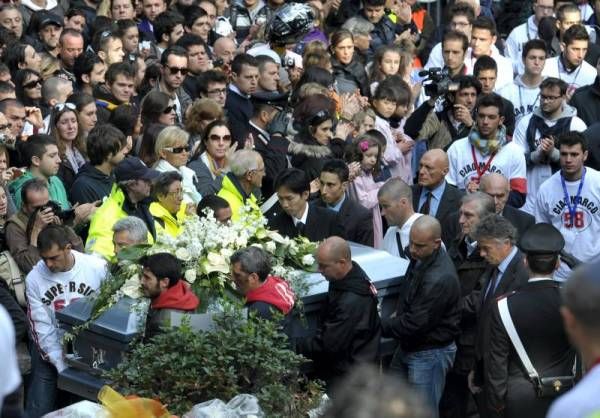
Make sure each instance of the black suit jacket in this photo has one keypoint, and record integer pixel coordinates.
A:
(508, 391)
(520, 220)
(514, 277)
(356, 220)
(449, 203)
(321, 223)
(239, 111)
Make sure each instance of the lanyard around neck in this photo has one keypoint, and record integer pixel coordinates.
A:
(486, 167)
(572, 209)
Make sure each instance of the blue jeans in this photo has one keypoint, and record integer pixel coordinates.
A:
(426, 371)
(42, 390)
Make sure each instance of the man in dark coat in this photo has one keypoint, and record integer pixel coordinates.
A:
(586, 100)
(297, 216)
(426, 322)
(508, 390)
(355, 218)
(496, 239)
(268, 126)
(433, 195)
(238, 106)
(469, 266)
(498, 187)
(592, 134)
(349, 328)
(94, 181)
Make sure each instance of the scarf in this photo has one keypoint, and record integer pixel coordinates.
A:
(487, 146)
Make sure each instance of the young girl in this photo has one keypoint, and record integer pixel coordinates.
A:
(405, 143)
(385, 63)
(384, 103)
(367, 151)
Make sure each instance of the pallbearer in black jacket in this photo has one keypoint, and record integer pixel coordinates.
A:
(535, 311)
(349, 329)
(428, 314)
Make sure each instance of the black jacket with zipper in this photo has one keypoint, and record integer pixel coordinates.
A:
(349, 327)
(428, 313)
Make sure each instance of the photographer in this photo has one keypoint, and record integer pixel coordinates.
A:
(23, 228)
(454, 121)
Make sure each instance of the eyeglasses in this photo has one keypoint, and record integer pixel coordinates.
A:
(175, 70)
(177, 150)
(169, 109)
(225, 138)
(61, 106)
(217, 92)
(32, 84)
(544, 98)
(176, 193)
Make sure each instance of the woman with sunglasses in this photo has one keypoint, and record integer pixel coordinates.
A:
(28, 88)
(349, 73)
(210, 162)
(86, 112)
(173, 149)
(314, 120)
(64, 127)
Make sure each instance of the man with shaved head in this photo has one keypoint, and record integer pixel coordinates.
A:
(349, 329)
(433, 195)
(498, 187)
(426, 321)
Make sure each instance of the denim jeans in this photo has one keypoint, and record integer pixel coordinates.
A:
(426, 371)
(42, 390)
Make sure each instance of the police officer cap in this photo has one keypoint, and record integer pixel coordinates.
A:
(270, 98)
(542, 239)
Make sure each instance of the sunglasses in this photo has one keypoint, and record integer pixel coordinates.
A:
(32, 84)
(320, 117)
(226, 138)
(169, 109)
(177, 150)
(175, 70)
(61, 106)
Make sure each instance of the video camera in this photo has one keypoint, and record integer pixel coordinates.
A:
(440, 82)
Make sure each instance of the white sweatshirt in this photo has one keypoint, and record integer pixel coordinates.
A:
(49, 292)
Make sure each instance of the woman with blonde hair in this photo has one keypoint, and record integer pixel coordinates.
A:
(172, 148)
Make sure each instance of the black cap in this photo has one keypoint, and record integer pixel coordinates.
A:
(132, 168)
(271, 98)
(542, 239)
(50, 19)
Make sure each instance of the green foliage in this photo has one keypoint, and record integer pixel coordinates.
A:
(182, 367)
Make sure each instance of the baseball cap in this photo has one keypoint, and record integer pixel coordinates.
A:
(50, 19)
(132, 168)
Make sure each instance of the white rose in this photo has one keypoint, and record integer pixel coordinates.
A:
(308, 260)
(270, 246)
(182, 253)
(190, 276)
(131, 287)
(216, 262)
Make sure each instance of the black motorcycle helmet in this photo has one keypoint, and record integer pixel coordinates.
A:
(289, 24)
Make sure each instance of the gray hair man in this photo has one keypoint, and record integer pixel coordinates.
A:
(361, 31)
(246, 175)
(128, 231)
(395, 199)
(496, 239)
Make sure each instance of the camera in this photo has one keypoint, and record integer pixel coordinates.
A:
(63, 215)
(288, 62)
(440, 82)
(218, 63)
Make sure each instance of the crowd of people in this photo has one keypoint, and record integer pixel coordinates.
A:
(468, 147)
